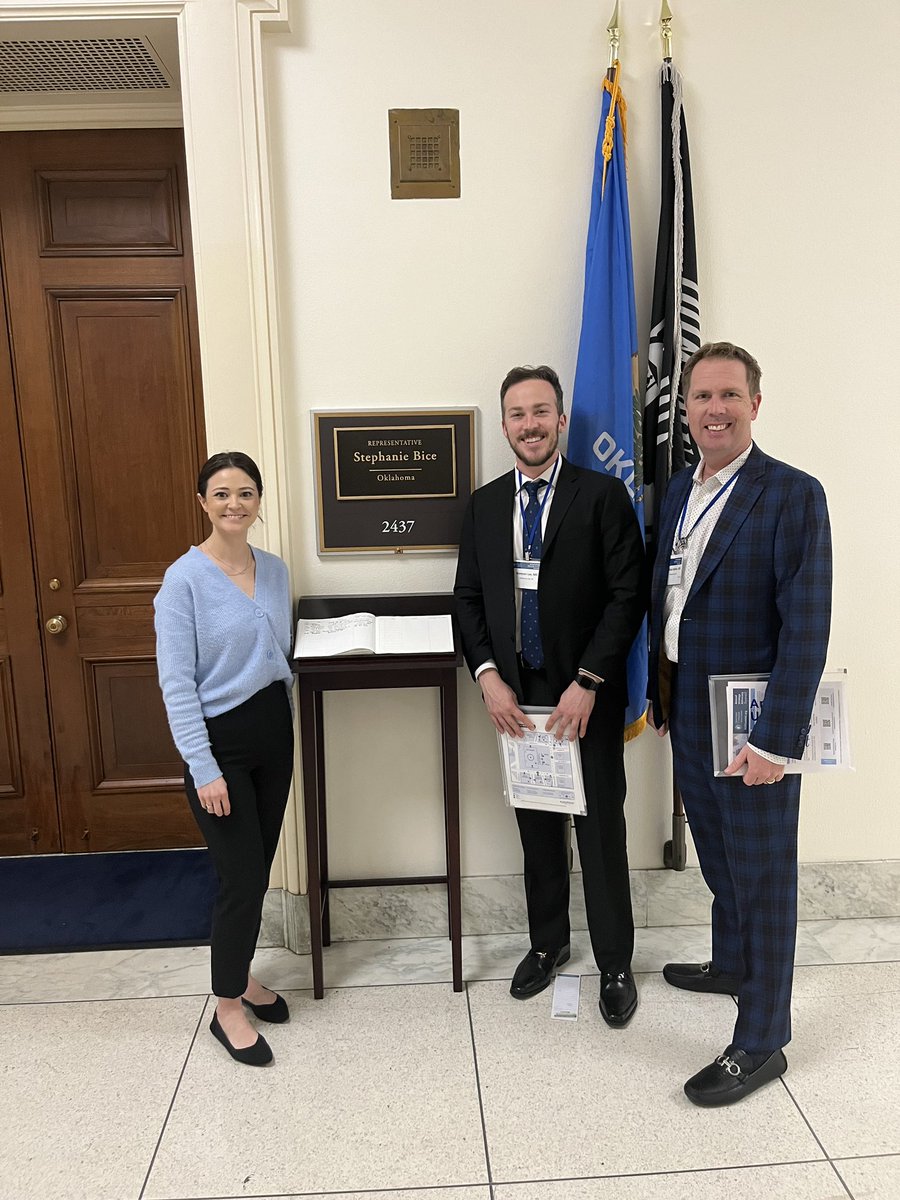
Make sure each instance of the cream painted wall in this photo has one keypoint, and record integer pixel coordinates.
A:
(410, 303)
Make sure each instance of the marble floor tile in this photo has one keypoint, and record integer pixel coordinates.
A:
(845, 1023)
(184, 970)
(871, 1178)
(445, 1193)
(132, 974)
(396, 960)
(654, 947)
(537, 1133)
(86, 1088)
(793, 1181)
(372, 1088)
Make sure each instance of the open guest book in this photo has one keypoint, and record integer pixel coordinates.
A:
(364, 633)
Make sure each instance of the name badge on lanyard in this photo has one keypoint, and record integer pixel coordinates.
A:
(676, 557)
(527, 570)
(527, 573)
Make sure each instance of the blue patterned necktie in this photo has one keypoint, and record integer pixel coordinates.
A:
(532, 650)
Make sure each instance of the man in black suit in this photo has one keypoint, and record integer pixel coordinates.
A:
(549, 599)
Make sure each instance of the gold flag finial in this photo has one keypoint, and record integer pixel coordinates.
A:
(613, 30)
(665, 29)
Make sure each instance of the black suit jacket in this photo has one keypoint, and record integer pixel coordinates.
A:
(591, 590)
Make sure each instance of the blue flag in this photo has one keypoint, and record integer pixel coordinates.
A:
(606, 421)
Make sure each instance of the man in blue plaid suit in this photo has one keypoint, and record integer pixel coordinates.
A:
(741, 585)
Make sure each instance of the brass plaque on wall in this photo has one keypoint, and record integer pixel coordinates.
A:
(393, 480)
(424, 144)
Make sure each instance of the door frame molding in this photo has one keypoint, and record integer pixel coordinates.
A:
(222, 73)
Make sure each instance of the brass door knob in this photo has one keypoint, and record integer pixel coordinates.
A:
(57, 624)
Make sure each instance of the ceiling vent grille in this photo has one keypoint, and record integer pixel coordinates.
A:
(108, 64)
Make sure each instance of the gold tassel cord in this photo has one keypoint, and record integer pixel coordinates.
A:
(635, 729)
(618, 100)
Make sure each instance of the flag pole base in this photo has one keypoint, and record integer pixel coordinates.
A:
(675, 850)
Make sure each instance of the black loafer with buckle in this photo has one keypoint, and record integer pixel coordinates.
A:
(701, 977)
(535, 971)
(733, 1076)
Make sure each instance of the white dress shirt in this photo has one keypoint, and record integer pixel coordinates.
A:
(520, 503)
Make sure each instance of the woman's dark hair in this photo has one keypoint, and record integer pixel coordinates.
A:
(221, 462)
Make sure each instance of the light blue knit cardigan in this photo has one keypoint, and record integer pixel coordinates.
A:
(216, 646)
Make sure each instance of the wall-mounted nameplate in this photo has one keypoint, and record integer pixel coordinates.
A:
(393, 480)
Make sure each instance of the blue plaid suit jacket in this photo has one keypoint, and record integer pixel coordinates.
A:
(760, 601)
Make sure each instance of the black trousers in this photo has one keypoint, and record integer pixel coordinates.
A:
(254, 746)
(601, 844)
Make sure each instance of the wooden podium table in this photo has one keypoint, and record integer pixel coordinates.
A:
(359, 672)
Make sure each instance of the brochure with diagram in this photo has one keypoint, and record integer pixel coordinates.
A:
(540, 771)
(736, 701)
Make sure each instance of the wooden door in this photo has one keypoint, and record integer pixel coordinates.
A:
(105, 383)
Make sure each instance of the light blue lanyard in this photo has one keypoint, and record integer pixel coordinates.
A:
(681, 539)
(529, 532)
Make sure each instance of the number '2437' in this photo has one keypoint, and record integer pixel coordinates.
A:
(397, 526)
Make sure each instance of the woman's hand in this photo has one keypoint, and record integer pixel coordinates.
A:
(214, 798)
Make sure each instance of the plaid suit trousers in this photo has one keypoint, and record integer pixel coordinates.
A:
(746, 839)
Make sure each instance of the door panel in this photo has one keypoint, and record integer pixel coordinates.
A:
(127, 445)
(109, 212)
(10, 760)
(96, 245)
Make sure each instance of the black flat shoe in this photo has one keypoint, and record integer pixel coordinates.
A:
(275, 1013)
(257, 1055)
(728, 1079)
(701, 977)
(535, 972)
(618, 998)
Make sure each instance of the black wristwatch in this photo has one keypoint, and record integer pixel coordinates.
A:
(585, 681)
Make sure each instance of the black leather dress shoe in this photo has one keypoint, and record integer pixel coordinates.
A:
(730, 1078)
(535, 971)
(258, 1055)
(275, 1013)
(701, 977)
(618, 997)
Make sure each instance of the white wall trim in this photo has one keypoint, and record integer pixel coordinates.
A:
(254, 17)
(91, 116)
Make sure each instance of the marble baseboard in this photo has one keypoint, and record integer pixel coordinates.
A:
(271, 931)
(495, 904)
(296, 923)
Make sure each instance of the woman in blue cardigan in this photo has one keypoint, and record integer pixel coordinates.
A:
(223, 633)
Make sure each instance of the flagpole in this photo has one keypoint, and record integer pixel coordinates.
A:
(674, 850)
(665, 30)
(612, 30)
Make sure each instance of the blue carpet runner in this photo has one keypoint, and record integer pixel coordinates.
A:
(59, 902)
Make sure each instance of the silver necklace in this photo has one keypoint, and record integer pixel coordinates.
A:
(233, 574)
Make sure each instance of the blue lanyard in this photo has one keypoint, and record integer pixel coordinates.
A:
(529, 532)
(682, 537)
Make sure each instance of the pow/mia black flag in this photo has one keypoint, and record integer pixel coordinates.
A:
(675, 311)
